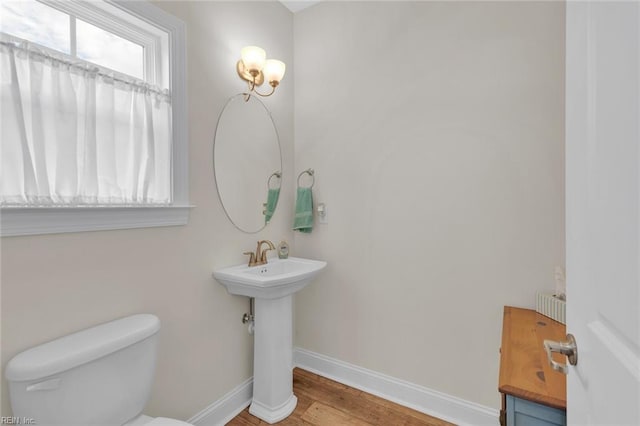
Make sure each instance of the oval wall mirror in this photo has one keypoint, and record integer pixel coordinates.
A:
(247, 163)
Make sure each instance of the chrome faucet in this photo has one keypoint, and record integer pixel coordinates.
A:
(260, 256)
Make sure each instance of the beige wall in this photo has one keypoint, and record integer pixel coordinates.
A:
(436, 133)
(56, 284)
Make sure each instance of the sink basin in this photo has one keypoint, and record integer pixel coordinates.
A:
(278, 278)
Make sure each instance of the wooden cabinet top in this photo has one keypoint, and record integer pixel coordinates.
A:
(524, 370)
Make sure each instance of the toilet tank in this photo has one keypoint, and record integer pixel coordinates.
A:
(98, 376)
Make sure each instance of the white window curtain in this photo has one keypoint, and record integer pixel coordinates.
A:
(74, 135)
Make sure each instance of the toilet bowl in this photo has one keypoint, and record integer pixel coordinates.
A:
(98, 376)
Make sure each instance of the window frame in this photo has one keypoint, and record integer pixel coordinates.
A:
(16, 221)
(114, 18)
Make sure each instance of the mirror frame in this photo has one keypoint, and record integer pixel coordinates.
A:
(275, 129)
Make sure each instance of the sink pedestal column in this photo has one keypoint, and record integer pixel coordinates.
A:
(273, 398)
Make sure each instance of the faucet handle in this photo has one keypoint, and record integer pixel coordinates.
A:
(252, 258)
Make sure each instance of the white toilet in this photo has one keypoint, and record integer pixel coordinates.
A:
(98, 376)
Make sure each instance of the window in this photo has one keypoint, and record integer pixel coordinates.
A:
(38, 23)
(101, 47)
(94, 112)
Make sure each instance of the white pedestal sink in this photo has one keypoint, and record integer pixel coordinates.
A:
(272, 285)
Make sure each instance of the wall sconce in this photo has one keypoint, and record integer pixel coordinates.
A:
(255, 69)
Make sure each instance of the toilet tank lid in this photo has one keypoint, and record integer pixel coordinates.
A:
(81, 347)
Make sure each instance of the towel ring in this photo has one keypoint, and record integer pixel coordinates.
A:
(274, 174)
(309, 172)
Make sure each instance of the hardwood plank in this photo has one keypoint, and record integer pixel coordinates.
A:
(414, 417)
(398, 410)
(304, 403)
(524, 370)
(325, 402)
(290, 421)
(322, 415)
(348, 401)
(308, 376)
(358, 404)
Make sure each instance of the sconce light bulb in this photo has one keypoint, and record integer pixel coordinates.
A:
(274, 71)
(253, 58)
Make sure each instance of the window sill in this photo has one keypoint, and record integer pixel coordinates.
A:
(53, 220)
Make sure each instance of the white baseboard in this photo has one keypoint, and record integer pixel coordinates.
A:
(425, 400)
(428, 401)
(226, 408)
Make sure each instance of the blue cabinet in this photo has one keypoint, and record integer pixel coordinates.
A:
(521, 412)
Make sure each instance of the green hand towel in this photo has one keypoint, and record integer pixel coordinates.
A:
(272, 202)
(303, 220)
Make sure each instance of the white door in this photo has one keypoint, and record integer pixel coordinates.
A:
(602, 211)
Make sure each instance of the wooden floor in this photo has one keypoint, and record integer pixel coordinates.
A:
(323, 402)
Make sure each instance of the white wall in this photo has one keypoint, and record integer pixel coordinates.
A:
(56, 284)
(436, 133)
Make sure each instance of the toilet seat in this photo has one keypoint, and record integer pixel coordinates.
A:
(164, 421)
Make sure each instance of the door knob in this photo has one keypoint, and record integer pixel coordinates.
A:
(568, 348)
